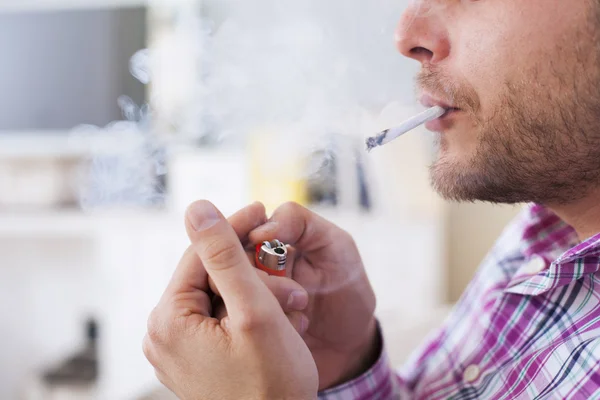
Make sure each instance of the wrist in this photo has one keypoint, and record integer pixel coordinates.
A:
(352, 364)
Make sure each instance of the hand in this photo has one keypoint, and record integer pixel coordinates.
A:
(253, 352)
(342, 334)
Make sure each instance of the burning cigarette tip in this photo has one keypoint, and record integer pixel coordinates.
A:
(390, 134)
(376, 141)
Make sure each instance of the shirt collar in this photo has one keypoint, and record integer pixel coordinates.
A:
(553, 256)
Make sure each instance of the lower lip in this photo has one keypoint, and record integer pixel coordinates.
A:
(442, 123)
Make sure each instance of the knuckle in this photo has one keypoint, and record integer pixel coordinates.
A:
(221, 254)
(347, 238)
(253, 322)
(157, 331)
(290, 207)
(148, 350)
(161, 378)
(257, 210)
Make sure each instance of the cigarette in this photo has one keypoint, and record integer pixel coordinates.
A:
(390, 134)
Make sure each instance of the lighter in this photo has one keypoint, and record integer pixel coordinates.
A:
(271, 257)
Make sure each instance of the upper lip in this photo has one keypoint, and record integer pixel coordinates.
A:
(429, 101)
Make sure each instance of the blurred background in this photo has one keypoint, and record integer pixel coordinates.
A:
(116, 114)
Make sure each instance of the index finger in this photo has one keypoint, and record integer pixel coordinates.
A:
(188, 290)
(305, 230)
(189, 275)
(247, 219)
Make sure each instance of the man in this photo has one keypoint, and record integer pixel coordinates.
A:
(521, 80)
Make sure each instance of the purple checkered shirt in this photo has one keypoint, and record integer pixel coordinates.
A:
(527, 327)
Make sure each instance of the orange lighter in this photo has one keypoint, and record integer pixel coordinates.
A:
(271, 257)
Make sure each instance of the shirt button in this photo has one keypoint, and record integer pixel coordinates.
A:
(471, 373)
(536, 265)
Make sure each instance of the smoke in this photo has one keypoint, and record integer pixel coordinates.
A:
(126, 163)
(308, 66)
(140, 66)
(311, 71)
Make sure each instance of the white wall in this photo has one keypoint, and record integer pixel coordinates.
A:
(60, 270)
(44, 299)
(471, 231)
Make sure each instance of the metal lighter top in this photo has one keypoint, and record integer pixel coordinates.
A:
(271, 257)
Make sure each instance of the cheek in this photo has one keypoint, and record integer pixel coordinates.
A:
(512, 42)
(483, 60)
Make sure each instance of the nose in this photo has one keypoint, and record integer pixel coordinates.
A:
(422, 34)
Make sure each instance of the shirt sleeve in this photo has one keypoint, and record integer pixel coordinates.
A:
(378, 383)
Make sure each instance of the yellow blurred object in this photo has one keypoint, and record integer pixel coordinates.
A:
(277, 170)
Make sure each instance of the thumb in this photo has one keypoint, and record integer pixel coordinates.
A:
(218, 247)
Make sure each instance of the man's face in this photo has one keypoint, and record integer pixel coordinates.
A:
(525, 77)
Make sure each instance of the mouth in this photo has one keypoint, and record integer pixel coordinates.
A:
(430, 101)
(444, 122)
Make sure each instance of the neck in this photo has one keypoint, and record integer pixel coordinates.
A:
(583, 215)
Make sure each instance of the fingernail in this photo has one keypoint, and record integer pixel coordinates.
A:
(298, 300)
(304, 322)
(202, 215)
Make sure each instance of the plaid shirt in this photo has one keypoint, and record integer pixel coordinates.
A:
(527, 327)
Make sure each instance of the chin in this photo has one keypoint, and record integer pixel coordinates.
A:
(448, 161)
(453, 178)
